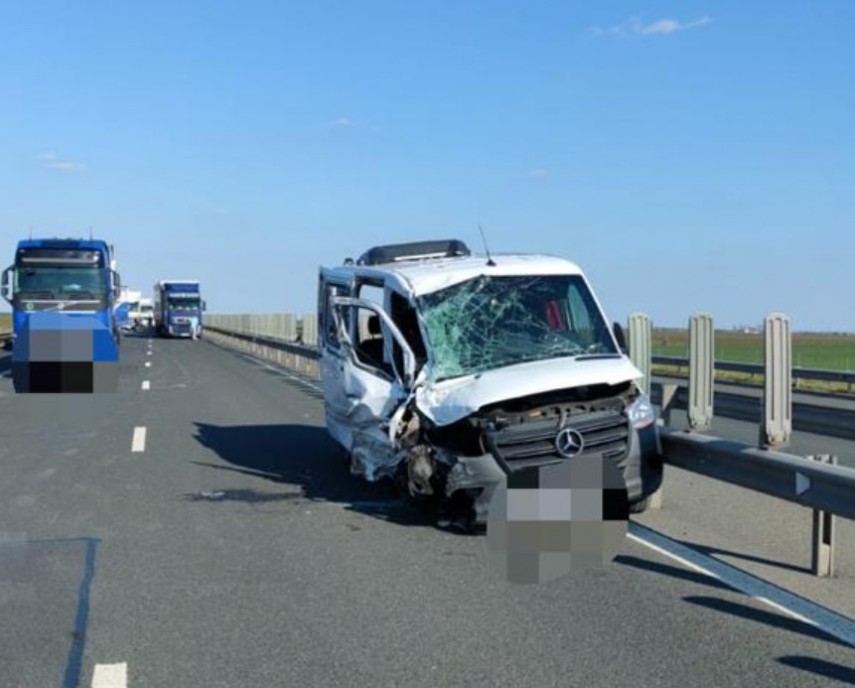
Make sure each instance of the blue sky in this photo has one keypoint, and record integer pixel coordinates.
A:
(691, 155)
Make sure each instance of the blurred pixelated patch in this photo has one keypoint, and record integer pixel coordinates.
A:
(548, 521)
(76, 355)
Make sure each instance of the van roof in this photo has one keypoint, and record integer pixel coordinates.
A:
(426, 276)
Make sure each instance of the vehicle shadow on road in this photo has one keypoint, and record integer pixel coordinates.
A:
(306, 457)
(5, 363)
(770, 618)
(673, 571)
(712, 551)
(822, 668)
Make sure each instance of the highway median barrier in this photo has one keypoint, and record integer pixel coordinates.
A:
(272, 337)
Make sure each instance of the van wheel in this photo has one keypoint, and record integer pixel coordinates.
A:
(640, 506)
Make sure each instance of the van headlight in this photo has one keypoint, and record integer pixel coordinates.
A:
(641, 412)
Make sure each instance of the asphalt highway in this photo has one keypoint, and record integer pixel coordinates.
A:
(199, 530)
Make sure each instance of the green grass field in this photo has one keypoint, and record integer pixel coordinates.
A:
(827, 351)
(823, 351)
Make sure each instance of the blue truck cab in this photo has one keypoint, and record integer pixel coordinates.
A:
(178, 308)
(65, 334)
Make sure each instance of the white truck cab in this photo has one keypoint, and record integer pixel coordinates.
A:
(146, 314)
(449, 371)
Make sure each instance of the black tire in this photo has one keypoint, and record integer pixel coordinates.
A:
(640, 506)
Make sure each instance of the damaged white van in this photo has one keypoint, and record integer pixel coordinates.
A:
(448, 371)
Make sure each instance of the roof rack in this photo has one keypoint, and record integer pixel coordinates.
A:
(415, 250)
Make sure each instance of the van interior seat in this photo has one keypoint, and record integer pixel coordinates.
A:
(371, 348)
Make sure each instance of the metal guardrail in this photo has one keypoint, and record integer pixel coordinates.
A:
(793, 478)
(830, 421)
(294, 355)
(815, 482)
(808, 374)
(295, 348)
(286, 327)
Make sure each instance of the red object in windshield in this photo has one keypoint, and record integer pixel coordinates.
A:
(554, 316)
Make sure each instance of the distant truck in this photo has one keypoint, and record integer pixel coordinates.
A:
(64, 294)
(178, 308)
(127, 308)
(145, 314)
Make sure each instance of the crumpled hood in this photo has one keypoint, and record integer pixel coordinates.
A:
(448, 401)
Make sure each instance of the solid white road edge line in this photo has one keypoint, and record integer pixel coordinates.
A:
(789, 603)
(281, 372)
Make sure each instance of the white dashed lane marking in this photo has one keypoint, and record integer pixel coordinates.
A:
(110, 676)
(138, 442)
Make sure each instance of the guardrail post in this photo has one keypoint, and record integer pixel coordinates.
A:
(669, 397)
(639, 347)
(701, 371)
(778, 393)
(822, 549)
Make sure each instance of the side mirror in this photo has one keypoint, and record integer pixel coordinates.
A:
(7, 284)
(620, 337)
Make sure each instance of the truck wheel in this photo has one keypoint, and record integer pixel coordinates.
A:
(640, 506)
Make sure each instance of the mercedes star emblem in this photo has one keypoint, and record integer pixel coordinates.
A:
(569, 442)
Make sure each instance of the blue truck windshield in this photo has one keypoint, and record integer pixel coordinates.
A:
(184, 304)
(52, 282)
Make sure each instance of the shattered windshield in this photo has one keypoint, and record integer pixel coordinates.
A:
(489, 322)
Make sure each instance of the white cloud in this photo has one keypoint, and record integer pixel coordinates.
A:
(538, 173)
(344, 122)
(53, 162)
(661, 27)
